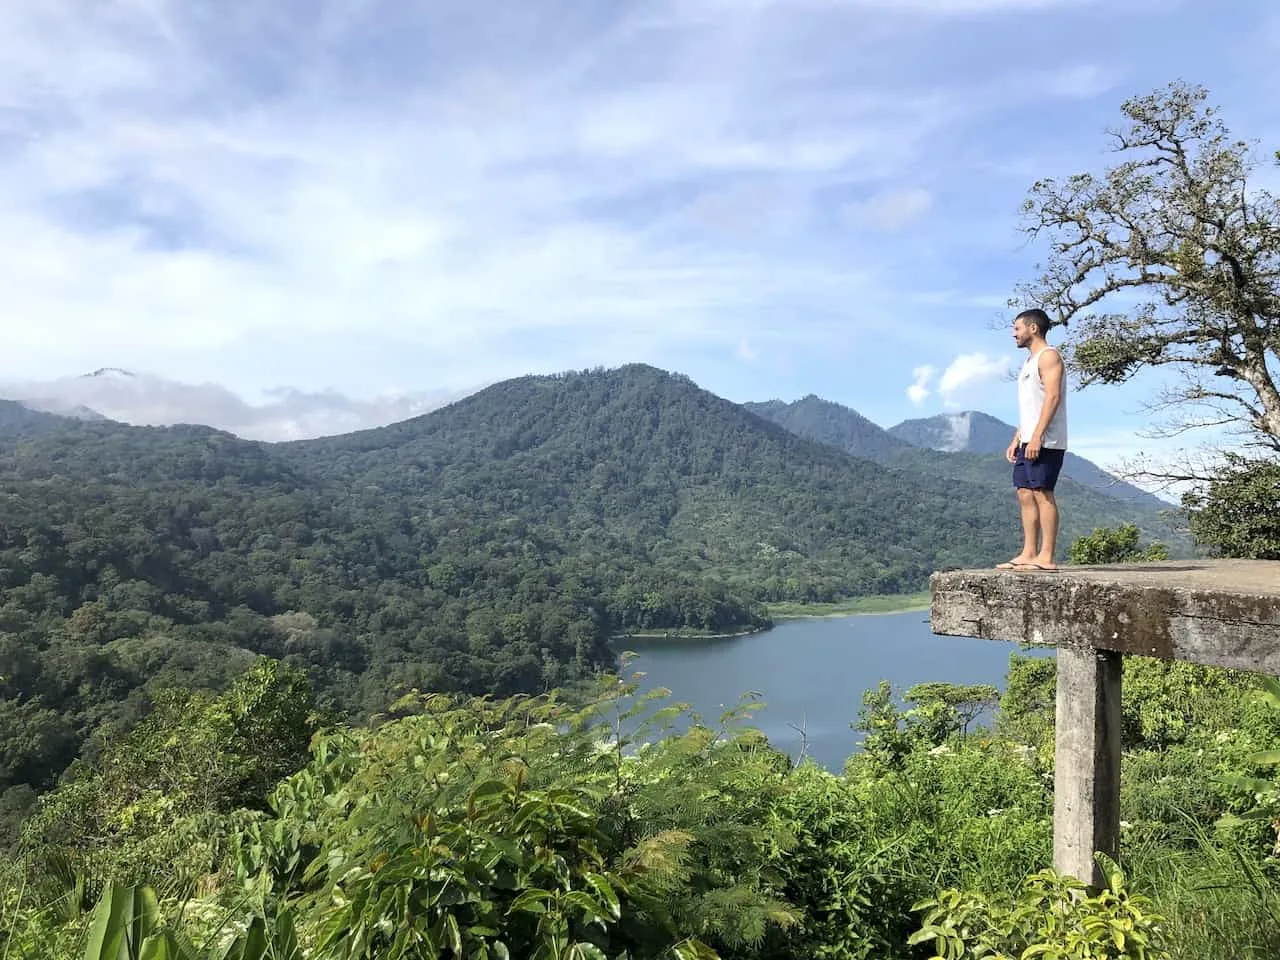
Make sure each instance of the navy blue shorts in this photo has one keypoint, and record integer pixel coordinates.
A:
(1040, 473)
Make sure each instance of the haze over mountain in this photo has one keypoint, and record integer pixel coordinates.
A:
(287, 414)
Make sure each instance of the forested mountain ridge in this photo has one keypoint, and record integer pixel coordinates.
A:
(18, 421)
(493, 546)
(831, 423)
(677, 476)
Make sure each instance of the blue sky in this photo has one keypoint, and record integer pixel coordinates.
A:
(776, 198)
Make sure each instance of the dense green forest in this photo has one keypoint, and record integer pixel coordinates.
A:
(491, 547)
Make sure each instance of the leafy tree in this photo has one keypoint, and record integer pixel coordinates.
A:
(937, 712)
(1177, 221)
(142, 806)
(1238, 512)
(1115, 545)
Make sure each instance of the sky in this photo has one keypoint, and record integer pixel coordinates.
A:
(775, 197)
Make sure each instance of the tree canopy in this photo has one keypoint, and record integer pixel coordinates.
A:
(1169, 259)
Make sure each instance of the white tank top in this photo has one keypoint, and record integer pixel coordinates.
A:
(1031, 402)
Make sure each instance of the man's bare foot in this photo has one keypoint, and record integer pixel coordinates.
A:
(1015, 562)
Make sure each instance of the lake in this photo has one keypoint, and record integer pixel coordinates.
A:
(812, 673)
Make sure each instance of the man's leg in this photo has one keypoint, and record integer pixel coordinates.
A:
(1030, 511)
(1046, 506)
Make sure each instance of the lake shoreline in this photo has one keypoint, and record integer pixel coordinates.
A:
(880, 606)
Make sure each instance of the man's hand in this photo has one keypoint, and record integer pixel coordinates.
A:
(1033, 447)
(1012, 453)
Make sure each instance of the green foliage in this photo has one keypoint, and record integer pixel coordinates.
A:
(1028, 704)
(1264, 793)
(1219, 898)
(1115, 545)
(937, 712)
(1238, 512)
(145, 806)
(520, 828)
(1165, 701)
(128, 924)
(551, 829)
(1055, 918)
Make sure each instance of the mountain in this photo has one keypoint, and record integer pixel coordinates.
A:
(970, 447)
(19, 421)
(287, 413)
(644, 464)
(77, 411)
(494, 545)
(968, 432)
(832, 424)
(975, 432)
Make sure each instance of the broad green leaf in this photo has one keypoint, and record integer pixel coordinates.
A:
(606, 893)
(122, 920)
(531, 901)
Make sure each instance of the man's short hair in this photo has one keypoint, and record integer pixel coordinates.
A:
(1038, 317)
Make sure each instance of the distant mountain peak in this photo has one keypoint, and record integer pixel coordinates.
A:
(831, 423)
(111, 372)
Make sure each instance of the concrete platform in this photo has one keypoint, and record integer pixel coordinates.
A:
(1223, 613)
(1217, 612)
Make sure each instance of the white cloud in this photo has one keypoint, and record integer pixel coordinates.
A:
(184, 183)
(746, 352)
(967, 373)
(891, 209)
(285, 414)
(918, 392)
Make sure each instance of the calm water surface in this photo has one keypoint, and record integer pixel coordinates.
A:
(812, 673)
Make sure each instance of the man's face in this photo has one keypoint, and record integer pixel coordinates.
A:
(1021, 333)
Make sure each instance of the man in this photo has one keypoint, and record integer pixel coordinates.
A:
(1040, 442)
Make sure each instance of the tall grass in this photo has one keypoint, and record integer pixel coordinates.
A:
(1221, 901)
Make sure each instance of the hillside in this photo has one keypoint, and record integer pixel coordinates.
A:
(20, 422)
(645, 465)
(136, 558)
(492, 546)
(832, 424)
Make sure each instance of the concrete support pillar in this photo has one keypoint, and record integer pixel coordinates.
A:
(1086, 785)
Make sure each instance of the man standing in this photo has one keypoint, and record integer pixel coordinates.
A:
(1040, 442)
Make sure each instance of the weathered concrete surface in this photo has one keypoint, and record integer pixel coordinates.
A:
(1086, 773)
(1217, 612)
